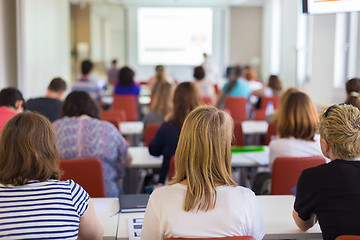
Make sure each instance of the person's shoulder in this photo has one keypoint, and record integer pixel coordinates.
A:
(168, 190)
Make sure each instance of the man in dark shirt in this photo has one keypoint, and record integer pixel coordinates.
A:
(330, 193)
(50, 105)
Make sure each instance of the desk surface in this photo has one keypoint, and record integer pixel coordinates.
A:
(106, 209)
(277, 214)
(143, 159)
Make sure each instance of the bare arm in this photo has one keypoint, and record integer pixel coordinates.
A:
(304, 225)
(90, 227)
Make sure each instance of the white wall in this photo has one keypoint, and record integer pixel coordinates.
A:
(8, 58)
(44, 44)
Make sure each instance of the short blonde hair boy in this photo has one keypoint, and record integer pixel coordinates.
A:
(203, 156)
(340, 127)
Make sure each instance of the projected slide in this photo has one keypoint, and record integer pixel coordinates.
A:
(332, 6)
(174, 36)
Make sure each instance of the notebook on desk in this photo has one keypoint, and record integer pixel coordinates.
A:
(133, 202)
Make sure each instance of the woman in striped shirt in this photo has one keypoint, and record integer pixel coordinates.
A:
(34, 204)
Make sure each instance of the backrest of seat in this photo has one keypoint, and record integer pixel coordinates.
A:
(286, 172)
(128, 103)
(274, 99)
(272, 131)
(87, 172)
(150, 132)
(208, 101)
(219, 238)
(113, 116)
(238, 134)
(348, 237)
(237, 107)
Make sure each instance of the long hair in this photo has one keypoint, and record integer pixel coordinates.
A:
(203, 156)
(353, 92)
(275, 84)
(283, 101)
(186, 98)
(162, 103)
(28, 150)
(298, 117)
(235, 74)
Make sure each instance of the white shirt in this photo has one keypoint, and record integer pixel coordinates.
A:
(236, 213)
(293, 147)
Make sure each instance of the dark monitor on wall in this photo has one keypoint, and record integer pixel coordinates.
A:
(330, 6)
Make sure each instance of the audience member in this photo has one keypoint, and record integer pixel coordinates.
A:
(237, 86)
(50, 105)
(11, 103)
(113, 73)
(126, 84)
(80, 134)
(161, 105)
(34, 203)
(251, 75)
(186, 98)
(330, 193)
(85, 83)
(203, 200)
(206, 89)
(211, 69)
(159, 78)
(283, 101)
(353, 92)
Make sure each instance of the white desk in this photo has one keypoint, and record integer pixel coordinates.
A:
(105, 209)
(277, 214)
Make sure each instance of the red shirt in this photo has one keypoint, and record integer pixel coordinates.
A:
(5, 115)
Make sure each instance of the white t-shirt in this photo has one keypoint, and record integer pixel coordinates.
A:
(236, 213)
(293, 147)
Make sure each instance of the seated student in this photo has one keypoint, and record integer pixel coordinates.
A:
(206, 89)
(159, 78)
(11, 103)
(186, 98)
(50, 105)
(80, 134)
(203, 200)
(330, 193)
(353, 92)
(34, 203)
(126, 84)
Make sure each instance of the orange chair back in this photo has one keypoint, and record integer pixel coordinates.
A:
(113, 116)
(348, 237)
(237, 107)
(274, 99)
(286, 172)
(219, 238)
(208, 101)
(238, 134)
(127, 103)
(87, 172)
(150, 132)
(171, 172)
(272, 131)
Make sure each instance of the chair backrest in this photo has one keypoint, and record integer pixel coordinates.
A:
(218, 238)
(208, 101)
(127, 103)
(272, 131)
(113, 116)
(238, 134)
(274, 99)
(237, 107)
(171, 172)
(348, 237)
(150, 132)
(286, 172)
(87, 172)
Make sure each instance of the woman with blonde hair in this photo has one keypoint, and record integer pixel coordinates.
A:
(353, 92)
(34, 203)
(297, 126)
(203, 200)
(186, 98)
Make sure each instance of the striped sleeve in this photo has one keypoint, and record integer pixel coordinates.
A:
(80, 198)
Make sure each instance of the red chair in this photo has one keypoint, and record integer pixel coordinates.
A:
(150, 132)
(260, 113)
(208, 101)
(127, 103)
(171, 172)
(87, 172)
(219, 238)
(271, 132)
(286, 172)
(237, 107)
(238, 134)
(113, 116)
(348, 237)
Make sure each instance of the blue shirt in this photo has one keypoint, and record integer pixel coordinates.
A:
(241, 89)
(133, 89)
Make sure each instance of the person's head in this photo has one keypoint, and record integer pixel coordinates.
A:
(114, 63)
(56, 88)
(79, 103)
(162, 102)
(353, 92)
(250, 74)
(12, 98)
(160, 74)
(186, 98)
(199, 73)
(236, 73)
(298, 117)
(205, 56)
(203, 156)
(126, 77)
(339, 129)
(283, 101)
(86, 67)
(28, 150)
(275, 84)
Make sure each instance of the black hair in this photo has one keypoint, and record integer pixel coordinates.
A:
(78, 103)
